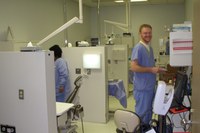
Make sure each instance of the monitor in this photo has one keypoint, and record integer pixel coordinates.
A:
(179, 89)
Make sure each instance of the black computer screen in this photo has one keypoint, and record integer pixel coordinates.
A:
(179, 89)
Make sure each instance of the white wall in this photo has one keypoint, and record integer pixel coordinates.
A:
(189, 10)
(78, 32)
(31, 20)
(156, 15)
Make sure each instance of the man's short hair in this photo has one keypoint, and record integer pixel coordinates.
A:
(144, 26)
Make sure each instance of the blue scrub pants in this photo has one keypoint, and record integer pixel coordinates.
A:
(143, 106)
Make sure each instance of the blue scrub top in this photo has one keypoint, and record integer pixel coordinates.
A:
(145, 58)
(62, 79)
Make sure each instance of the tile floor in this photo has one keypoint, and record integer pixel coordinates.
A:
(109, 127)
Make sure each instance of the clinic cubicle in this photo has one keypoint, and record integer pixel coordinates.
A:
(93, 92)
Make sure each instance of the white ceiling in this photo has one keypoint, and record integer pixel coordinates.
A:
(112, 3)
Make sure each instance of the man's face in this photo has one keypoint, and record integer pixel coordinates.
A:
(146, 34)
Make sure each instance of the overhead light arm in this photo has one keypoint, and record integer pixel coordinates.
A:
(80, 12)
(116, 23)
(66, 25)
(124, 27)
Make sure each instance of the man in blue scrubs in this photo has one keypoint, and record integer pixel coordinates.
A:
(63, 88)
(144, 80)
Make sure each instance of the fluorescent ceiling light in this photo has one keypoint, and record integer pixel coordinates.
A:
(120, 1)
(138, 0)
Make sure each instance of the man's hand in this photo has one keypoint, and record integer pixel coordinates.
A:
(158, 70)
(61, 89)
(155, 70)
(162, 70)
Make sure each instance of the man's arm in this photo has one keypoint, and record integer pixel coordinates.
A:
(135, 67)
(62, 69)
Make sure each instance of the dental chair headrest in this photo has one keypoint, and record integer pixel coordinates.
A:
(126, 120)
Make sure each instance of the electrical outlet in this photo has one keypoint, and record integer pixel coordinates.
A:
(3, 128)
(21, 94)
(7, 129)
(78, 70)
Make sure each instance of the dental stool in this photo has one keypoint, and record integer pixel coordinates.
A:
(126, 121)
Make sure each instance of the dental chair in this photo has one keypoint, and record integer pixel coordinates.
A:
(75, 112)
